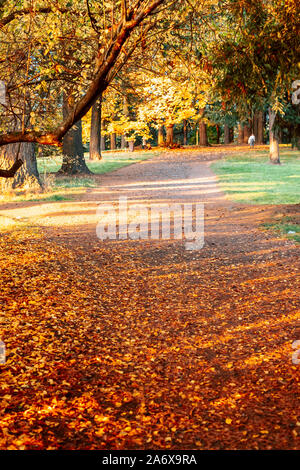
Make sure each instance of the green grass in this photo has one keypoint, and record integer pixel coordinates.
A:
(111, 161)
(250, 178)
(66, 188)
(291, 231)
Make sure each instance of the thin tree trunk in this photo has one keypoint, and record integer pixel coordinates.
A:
(218, 133)
(231, 134)
(184, 132)
(73, 156)
(124, 143)
(274, 143)
(95, 134)
(27, 177)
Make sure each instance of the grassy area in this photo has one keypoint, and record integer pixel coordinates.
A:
(66, 188)
(110, 161)
(249, 178)
(285, 227)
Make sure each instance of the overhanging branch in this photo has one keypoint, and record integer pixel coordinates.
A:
(98, 85)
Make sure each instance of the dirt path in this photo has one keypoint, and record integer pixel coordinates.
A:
(145, 345)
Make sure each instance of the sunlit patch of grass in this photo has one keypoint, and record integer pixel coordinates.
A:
(284, 226)
(46, 196)
(110, 161)
(250, 178)
(65, 188)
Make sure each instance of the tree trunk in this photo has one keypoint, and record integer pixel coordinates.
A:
(102, 140)
(231, 134)
(255, 126)
(160, 136)
(260, 127)
(113, 141)
(184, 132)
(170, 135)
(274, 143)
(27, 177)
(95, 134)
(124, 143)
(73, 156)
(218, 133)
(226, 134)
(241, 134)
(203, 141)
(247, 133)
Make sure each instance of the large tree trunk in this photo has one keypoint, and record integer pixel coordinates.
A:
(73, 156)
(274, 143)
(226, 134)
(170, 135)
(95, 134)
(160, 137)
(203, 140)
(27, 177)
